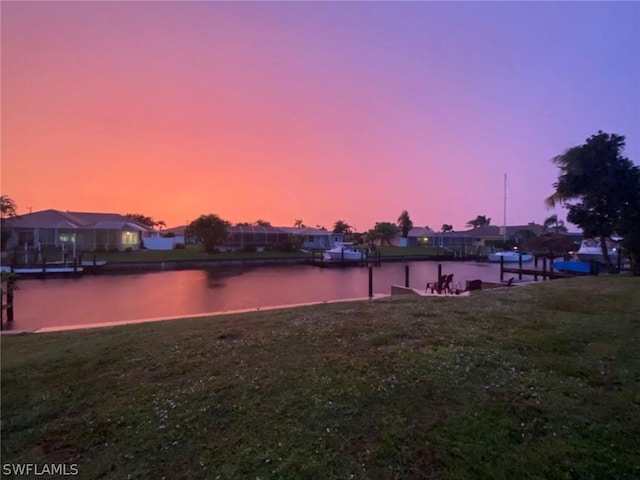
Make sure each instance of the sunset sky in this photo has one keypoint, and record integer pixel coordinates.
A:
(319, 111)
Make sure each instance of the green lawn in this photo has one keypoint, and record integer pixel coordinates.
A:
(192, 252)
(388, 251)
(535, 382)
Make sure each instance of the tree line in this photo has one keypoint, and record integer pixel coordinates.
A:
(597, 184)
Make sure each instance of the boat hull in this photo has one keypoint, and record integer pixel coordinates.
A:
(597, 257)
(345, 256)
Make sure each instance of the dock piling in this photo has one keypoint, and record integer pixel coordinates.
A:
(520, 266)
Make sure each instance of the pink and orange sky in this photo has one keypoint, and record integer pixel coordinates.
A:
(319, 111)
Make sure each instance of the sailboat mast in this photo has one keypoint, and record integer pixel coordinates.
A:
(504, 220)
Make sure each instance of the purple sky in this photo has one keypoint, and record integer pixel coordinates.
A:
(320, 111)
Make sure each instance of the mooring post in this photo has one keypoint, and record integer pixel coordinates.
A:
(501, 268)
(44, 265)
(94, 259)
(439, 271)
(520, 266)
(406, 276)
(10, 300)
(370, 282)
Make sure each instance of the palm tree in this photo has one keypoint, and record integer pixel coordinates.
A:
(601, 182)
(479, 221)
(553, 221)
(446, 228)
(405, 223)
(342, 227)
(8, 206)
(383, 231)
(298, 223)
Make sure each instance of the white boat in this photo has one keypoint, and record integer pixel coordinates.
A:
(590, 249)
(344, 252)
(509, 257)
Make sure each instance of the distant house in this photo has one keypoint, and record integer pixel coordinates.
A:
(87, 231)
(261, 237)
(473, 238)
(240, 237)
(424, 237)
(416, 237)
(315, 237)
(166, 239)
(494, 233)
(455, 240)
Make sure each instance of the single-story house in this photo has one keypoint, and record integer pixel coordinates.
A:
(416, 237)
(473, 238)
(315, 237)
(239, 237)
(424, 237)
(78, 230)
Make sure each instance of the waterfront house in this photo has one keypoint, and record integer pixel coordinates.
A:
(78, 230)
(315, 237)
(241, 237)
(416, 237)
(424, 237)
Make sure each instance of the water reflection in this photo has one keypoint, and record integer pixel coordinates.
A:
(110, 298)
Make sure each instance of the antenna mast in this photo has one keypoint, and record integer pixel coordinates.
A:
(504, 221)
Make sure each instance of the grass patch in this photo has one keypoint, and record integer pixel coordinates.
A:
(521, 383)
(391, 251)
(191, 252)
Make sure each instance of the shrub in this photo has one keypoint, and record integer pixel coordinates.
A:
(179, 246)
(250, 248)
(113, 249)
(100, 248)
(128, 249)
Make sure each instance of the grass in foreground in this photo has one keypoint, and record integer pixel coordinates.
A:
(532, 382)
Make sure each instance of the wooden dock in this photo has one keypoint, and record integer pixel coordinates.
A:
(545, 273)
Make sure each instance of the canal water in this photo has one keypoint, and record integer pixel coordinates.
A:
(120, 298)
